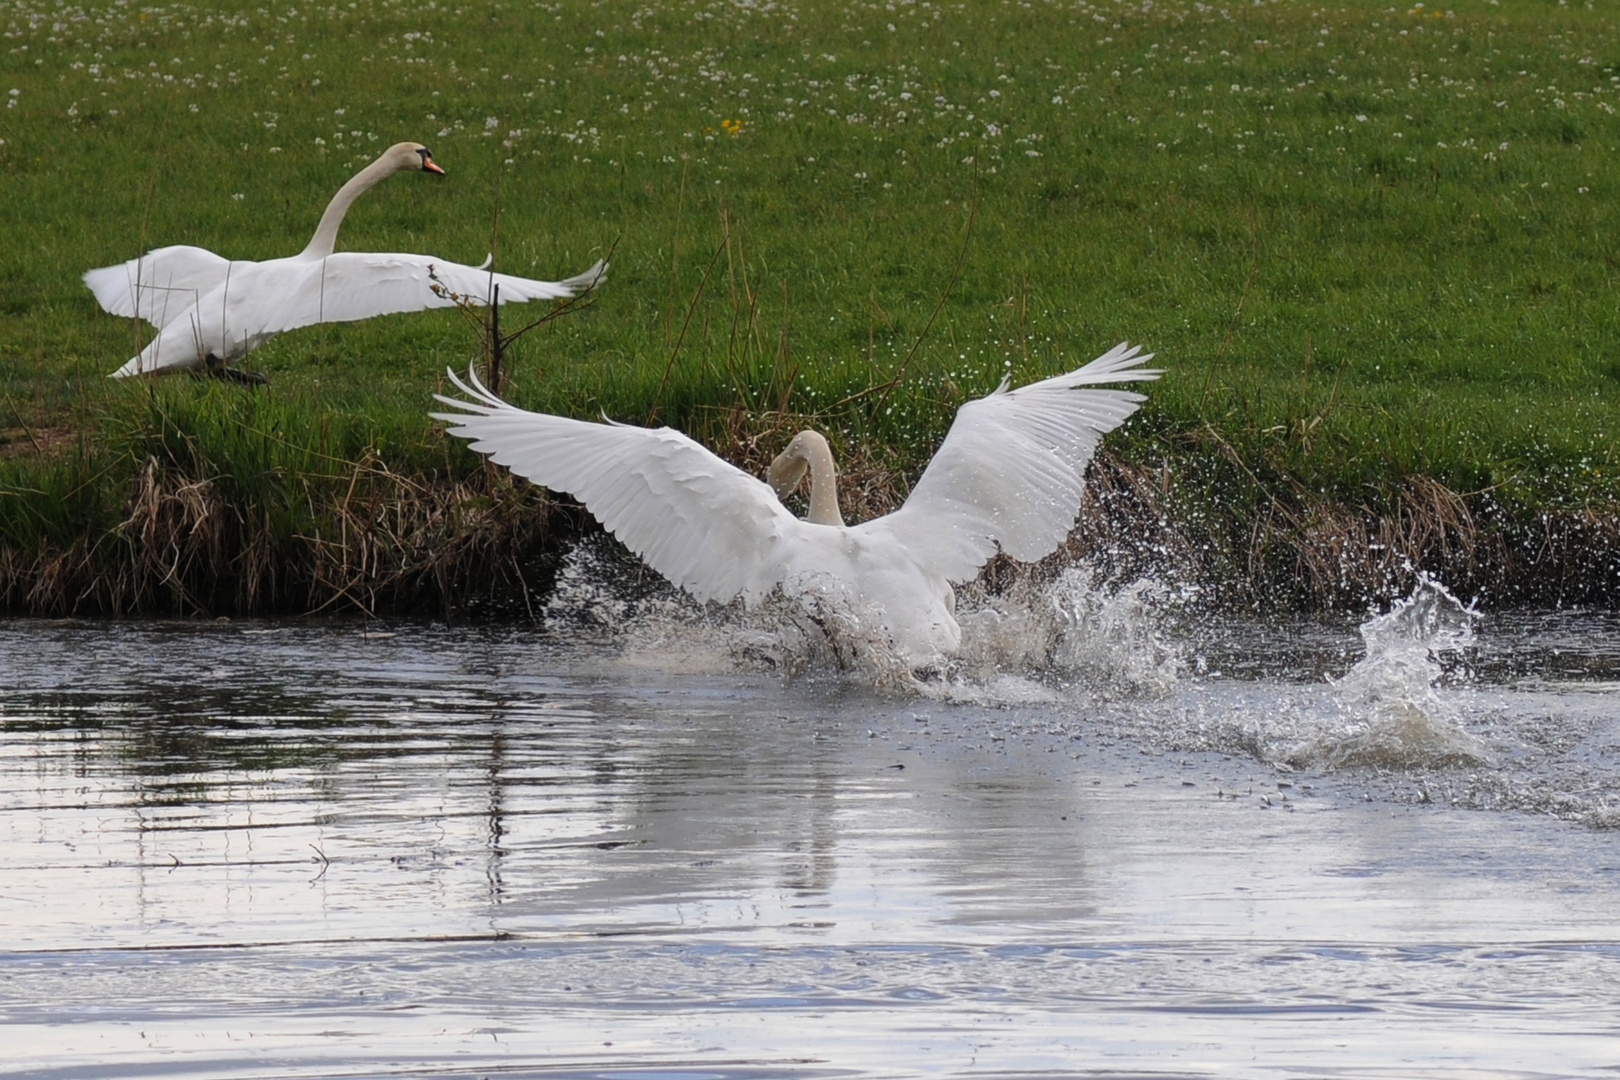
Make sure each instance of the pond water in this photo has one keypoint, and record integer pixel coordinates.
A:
(1155, 846)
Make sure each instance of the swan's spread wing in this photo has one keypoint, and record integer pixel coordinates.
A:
(355, 285)
(1011, 472)
(159, 285)
(708, 527)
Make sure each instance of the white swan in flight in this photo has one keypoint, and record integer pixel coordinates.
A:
(1008, 478)
(210, 311)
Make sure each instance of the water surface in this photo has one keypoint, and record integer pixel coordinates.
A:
(248, 850)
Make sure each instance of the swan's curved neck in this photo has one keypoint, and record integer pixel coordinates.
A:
(809, 450)
(325, 239)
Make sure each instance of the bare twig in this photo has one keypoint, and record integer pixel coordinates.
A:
(658, 399)
(887, 388)
(26, 429)
(1231, 327)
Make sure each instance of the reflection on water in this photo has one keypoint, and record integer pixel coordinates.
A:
(320, 851)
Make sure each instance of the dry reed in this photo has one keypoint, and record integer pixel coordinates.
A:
(377, 542)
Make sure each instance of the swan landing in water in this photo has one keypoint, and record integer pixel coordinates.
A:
(1008, 478)
(209, 311)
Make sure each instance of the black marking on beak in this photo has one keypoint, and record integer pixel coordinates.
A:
(428, 164)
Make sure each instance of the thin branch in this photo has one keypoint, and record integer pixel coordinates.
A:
(26, 429)
(885, 389)
(658, 399)
(1231, 327)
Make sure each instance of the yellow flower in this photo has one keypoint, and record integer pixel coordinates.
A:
(733, 127)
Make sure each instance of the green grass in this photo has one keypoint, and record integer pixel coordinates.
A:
(1366, 242)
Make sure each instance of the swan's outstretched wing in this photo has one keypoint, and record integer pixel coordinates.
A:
(254, 301)
(1011, 472)
(353, 285)
(710, 528)
(159, 285)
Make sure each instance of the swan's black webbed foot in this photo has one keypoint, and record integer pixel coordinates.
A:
(219, 370)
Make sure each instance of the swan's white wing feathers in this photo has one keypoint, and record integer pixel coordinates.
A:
(350, 285)
(159, 285)
(705, 525)
(1011, 472)
(253, 301)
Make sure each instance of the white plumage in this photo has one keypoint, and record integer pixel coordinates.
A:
(1008, 477)
(204, 305)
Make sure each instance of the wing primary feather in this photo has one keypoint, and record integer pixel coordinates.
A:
(702, 523)
(1010, 474)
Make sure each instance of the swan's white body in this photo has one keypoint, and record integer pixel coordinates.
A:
(204, 305)
(1008, 478)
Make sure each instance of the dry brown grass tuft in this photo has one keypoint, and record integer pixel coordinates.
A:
(384, 543)
(487, 546)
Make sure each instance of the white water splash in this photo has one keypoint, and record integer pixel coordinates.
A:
(1392, 712)
(1035, 640)
(604, 593)
(1071, 632)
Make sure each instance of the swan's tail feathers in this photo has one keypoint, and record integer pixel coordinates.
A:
(587, 281)
(142, 363)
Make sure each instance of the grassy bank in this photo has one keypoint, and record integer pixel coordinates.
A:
(1372, 246)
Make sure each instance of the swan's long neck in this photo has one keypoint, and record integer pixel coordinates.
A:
(809, 450)
(325, 239)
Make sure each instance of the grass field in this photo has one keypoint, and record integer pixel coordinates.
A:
(1368, 243)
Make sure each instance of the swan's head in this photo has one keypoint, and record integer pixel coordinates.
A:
(787, 469)
(808, 452)
(412, 157)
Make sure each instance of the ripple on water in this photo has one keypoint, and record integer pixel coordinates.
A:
(452, 851)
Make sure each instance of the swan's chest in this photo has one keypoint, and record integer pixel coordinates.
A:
(879, 573)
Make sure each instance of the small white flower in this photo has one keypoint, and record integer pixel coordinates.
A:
(1361, 118)
(238, 197)
(490, 122)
